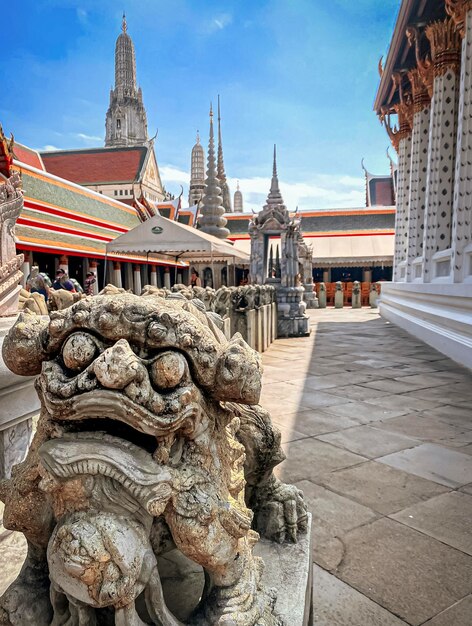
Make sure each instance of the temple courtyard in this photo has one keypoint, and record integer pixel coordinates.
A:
(377, 431)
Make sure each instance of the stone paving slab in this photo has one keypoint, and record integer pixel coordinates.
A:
(313, 422)
(313, 459)
(356, 392)
(442, 465)
(380, 487)
(333, 516)
(364, 412)
(447, 517)
(458, 614)
(367, 441)
(336, 603)
(420, 577)
(407, 402)
(427, 427)
(459, 415)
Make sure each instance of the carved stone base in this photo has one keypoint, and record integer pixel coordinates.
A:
(293, 326)
(288, 570)
(310, 297)
(18, 404)
(14, 442)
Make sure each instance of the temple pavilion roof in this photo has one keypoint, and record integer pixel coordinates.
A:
(95, 166)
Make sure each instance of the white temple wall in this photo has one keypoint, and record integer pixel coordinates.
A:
(461, 254)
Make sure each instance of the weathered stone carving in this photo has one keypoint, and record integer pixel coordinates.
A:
(11, 203)
(275, 220)
(149, 437)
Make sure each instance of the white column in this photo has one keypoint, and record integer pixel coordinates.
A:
(64, 264)
(137, 288)
(366, 275)
(167, 278)
(401, 217)
(26, 268)
(441, 155)
(92, 267)
(129, 276)
(153, 276)
(461, 258)
(419, 170)
(117, 273)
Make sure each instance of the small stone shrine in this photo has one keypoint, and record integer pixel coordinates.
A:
(150, 443)
(11, 203)
(283, 272)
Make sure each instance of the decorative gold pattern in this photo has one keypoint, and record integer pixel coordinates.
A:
(404, 111)
(458, 9)
(424, 64)
(445, 44)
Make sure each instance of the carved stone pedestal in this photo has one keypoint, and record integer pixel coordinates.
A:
(245, 323)
(288, 570)
(18, 404)
(310, 297)
(292, 321)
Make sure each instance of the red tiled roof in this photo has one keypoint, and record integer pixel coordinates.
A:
(28, 156)
(98, 165)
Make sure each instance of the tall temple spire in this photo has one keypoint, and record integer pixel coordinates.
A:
(238, 200)
(126, 122)
(275, 197)
(212, 211)
(197, 173)
(221, 174)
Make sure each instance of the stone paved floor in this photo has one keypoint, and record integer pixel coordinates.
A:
(377, 429)
(378, 434)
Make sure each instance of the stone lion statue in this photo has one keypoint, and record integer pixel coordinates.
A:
(150, 428)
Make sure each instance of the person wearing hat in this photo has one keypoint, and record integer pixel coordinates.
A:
(90, 280)
(62, 281)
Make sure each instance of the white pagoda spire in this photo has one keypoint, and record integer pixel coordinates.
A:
(126, 121)
(238, 200)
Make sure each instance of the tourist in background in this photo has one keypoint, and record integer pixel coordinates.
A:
(62, 281)
(195, 280)
(35, 283)
(89, 283)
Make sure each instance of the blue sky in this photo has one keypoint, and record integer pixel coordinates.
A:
(301, 73)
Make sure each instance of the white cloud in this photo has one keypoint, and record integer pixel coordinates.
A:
(321, 191)
(220, 22)
(82, 15)
(88, 138)
(48, 148)
(171, 174)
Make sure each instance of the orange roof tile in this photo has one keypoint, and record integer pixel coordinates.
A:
(97, 165)
(27, 155)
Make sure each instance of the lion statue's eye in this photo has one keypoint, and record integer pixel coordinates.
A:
(78, 351)
(168, 370)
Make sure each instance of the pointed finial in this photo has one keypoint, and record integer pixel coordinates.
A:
(211, 109)
(274, 168)
(198, 136)
(124, 25)
(219, 117)
(237, 186)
